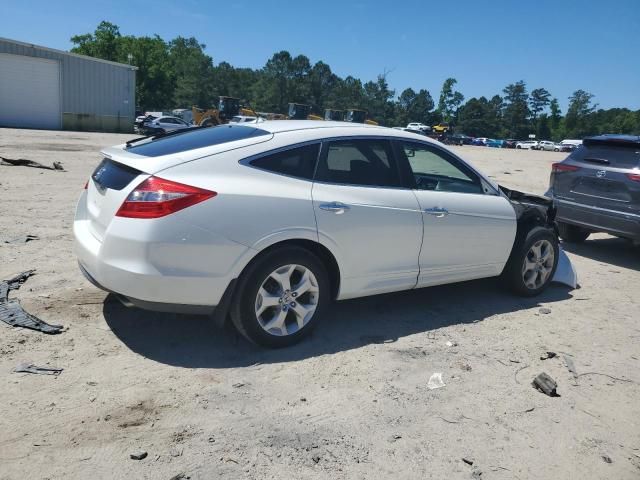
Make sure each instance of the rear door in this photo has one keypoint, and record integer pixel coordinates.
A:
(469, 228)
(601, 174)
(367, 217)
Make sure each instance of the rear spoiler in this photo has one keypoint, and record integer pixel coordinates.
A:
(629, 141)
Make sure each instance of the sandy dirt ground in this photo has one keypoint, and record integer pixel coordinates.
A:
(350, 402)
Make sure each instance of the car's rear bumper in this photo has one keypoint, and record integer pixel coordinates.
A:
(616, 223)
(162, 264)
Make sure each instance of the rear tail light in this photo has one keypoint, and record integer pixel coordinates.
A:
(563, 167)
(157, 197)
(634, 176)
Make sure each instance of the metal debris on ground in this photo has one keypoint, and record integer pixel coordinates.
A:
(548, 355)
(435, 381)
(138, 455)
(23, 162)
(544, 311)
(546, 385)
(11, 311)
(31, 368)
(23, 239)
(467, 461)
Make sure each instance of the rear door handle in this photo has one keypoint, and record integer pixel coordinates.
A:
(336, 207)
(437, 211)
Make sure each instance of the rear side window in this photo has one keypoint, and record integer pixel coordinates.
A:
(296, 162)
(192, 139)
(359, 162)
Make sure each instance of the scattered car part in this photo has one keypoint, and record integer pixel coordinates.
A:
(23, 239)
(11, 311)
(435, 381)
(546, 385)
(548, 355)
(31, 368)
(23, 162)
(565, 271)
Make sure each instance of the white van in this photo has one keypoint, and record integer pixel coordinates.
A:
(577, 143)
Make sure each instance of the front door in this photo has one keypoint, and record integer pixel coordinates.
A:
(366, 217)
(469, 228)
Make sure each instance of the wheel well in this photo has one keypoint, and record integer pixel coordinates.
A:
(320, 251)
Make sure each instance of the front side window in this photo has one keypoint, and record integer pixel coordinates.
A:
(435, 170)
(296, 162)
(359, 162)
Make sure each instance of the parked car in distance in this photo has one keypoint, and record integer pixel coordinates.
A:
(458, 139)
(418, 126)
(560, 147)
(597, 189)
(480, 141)
(165, 124)
(575, 143)
(269, 223)
(546, 145)
(491, 142)
(510, 143)
(527, 144)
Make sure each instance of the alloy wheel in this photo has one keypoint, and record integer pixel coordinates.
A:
(538, 264)
(287, 300)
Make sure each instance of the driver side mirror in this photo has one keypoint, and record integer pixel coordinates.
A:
(409, 152)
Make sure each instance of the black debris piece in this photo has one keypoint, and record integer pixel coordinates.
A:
(548, 355)
(467, 461)
(23, 239)
(546, 385)
(11, 311)
(31, 368)
(140, 455)
(23, 162)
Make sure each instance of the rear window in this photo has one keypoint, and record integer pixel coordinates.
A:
(115, 176)
(193, 139)
(612, 156)
(296, 162)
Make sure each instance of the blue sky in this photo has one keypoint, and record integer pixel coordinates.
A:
(560, 45)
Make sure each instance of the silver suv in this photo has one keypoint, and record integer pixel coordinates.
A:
(597, 188)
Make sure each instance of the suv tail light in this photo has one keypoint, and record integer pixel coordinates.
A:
(633, 176)
(157, 197)
(563, 167)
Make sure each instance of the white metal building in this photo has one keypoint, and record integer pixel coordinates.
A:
(51, 89)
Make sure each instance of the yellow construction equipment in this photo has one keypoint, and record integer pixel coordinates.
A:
(358, 116)
(228, 107)
(334, 115)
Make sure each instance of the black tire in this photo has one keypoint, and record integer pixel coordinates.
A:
(518, 147)
(572, 233)
(512, 276)
(243, 312)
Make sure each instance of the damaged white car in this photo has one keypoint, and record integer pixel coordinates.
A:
(267, 224)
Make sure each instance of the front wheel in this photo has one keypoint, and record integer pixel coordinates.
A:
(532, 263)
(280, 297)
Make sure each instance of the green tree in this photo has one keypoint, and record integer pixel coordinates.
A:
(480, 117)
(538, 101)
(193, 72)
(576, 121)
(450, 100)
(414, 107)
(103, 43)
(516, 110)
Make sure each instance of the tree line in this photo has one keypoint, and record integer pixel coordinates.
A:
(179, 74)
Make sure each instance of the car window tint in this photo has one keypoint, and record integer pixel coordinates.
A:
(297, 162)
(433, 169)
(359, 162)
(188, 139)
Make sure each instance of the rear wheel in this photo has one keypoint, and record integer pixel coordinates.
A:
(572, 233)
(532, 263)
(280, 297)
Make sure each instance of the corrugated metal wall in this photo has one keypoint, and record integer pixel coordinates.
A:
(90, 89)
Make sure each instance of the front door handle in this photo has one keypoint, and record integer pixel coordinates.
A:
(336, 207)
(437, 212)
